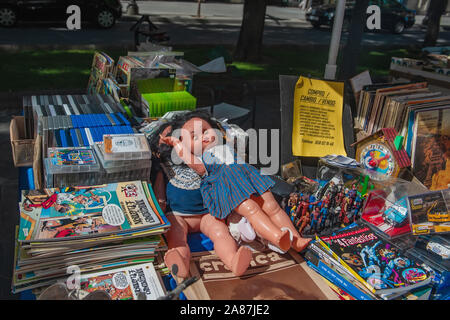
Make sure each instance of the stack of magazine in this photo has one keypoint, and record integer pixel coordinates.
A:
(366, 266)
(86, 230)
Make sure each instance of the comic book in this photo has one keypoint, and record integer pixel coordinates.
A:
(102, 66)
(374, 261)
(124, 283)
(88, 212)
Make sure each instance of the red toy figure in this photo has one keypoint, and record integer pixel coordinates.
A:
(303, 222)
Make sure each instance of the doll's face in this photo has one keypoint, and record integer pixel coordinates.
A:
(198, 135)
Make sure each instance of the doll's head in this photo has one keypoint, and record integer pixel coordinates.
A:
(194, 129)
(198, 135)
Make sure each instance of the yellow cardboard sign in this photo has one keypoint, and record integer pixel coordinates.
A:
(317, 123)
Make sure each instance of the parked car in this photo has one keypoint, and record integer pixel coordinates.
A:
(104, 13)
(394, 16)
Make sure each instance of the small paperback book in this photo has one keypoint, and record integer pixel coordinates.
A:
(124, 283)
(374, 261)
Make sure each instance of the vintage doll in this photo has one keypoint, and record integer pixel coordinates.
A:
(229, 184)
(178, 193)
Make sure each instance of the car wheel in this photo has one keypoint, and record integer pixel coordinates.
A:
(398, 27)
(106, 19)
(8, 17)
(315, 25)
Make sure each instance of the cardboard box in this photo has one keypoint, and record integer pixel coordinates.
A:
(22, 149)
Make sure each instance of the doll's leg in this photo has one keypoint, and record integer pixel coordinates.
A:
(263, 225)
(179, 252)
(281, 219)
(237, 260)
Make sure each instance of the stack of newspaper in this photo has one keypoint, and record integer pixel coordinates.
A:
(86, 230)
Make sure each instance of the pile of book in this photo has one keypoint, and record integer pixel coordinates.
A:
(363, 265)
(420, 116)
(116, 157)
(86, 230)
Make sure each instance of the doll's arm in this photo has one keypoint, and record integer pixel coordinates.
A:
(188, 158)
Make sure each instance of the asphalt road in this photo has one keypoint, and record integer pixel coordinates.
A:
(185, 31)
(219, 25)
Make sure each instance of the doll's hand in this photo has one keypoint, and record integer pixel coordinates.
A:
(171, 141)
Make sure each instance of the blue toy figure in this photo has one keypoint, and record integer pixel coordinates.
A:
(324, 214)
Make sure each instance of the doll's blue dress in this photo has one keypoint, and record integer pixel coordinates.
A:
(229, 181)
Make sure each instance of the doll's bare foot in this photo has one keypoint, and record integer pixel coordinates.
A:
(241, 261)
(284, 241)
(299, 244)
(172, 257)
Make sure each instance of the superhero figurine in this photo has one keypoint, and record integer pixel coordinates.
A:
(303, 222)
(323, 216)
(315, 219)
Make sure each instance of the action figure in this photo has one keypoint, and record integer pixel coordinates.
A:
(323, 216)
(303, 222)
(315, 219)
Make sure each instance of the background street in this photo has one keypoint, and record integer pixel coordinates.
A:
(219, 25)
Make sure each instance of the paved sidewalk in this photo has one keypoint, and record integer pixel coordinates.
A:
(229, 12)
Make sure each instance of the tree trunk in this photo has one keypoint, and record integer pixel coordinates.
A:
(199, 7)
(251, 35)
(435, 11)
(352, 47)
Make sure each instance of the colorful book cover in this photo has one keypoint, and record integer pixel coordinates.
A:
(430, 212)
(86, 212)
(71, 156)
(430, 154)
(124, 283)
(374, 261)
(332, 275)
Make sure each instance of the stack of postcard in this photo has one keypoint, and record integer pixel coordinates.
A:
(86, 229)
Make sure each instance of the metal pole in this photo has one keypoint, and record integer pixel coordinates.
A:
(132, 8)
(330, 68)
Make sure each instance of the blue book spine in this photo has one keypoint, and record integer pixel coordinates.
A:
(84, 137)
(339, 281)
(410, 132)
(58, 138)
(96, 136)
(123, 119)
(62, 134)
(116, 121)
(74, 121)
(105, 120)
(74, 138)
